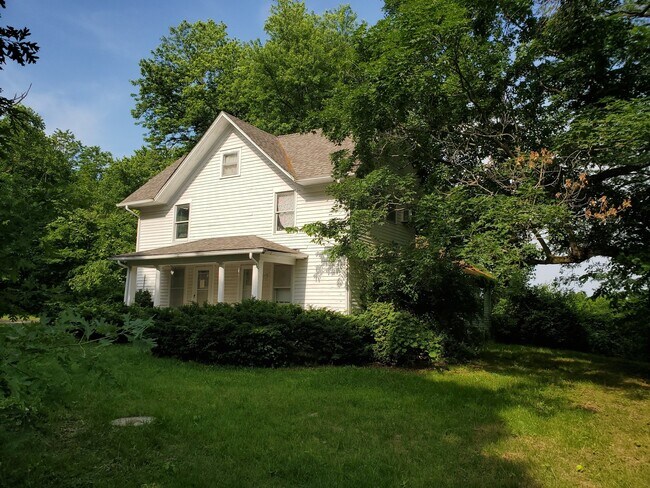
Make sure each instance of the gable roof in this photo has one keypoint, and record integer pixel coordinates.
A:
(150, 189)
(302, 156)
(265, 141)
(310, 153)
(215, 245)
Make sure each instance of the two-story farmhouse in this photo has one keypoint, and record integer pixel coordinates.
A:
(212, 225)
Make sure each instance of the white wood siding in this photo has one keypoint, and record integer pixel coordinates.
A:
(244, 205)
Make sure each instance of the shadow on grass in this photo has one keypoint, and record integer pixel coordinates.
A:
(313, 427)
(563, 368)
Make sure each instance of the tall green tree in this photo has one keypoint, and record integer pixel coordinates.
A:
(34, 185)
(181, 85)
(525, 123)
(282, 84)
(79, 241)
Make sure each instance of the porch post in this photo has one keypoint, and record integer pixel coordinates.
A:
(258, 273)
(156, 293)
(131, 285)
(221, 283)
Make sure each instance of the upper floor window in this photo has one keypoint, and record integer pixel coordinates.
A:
(285, 210)
(182, 221)
(230, 164)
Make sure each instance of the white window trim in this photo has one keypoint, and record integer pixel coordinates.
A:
(223, 157)
(275, 211)
(189, 225)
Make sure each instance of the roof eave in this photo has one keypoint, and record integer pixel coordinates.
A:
(315, 181)
(151, 257)
(138, 203)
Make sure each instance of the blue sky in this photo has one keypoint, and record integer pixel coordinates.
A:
(90, 51)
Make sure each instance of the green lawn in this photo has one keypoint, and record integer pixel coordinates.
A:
(516, 417)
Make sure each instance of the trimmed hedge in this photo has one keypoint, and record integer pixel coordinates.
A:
(259, 333)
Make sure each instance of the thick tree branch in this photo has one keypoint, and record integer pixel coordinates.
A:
(614, 172)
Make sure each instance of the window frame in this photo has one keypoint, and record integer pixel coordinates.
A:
(176, 222)
(276, 212)
(223, 159)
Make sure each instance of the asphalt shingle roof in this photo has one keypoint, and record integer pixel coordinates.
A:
(235, 243)
(303, 156)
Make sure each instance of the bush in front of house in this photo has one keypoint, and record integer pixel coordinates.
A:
(401, 338)
(259, 333)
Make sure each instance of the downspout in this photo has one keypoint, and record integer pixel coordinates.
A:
(127, 284)
(126, 207)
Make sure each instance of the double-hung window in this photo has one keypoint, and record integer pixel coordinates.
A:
(285, 210)
(182, 221)
(230, 164)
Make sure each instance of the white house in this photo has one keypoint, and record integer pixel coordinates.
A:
(211, 226)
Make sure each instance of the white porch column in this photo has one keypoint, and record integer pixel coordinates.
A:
(258, 277)
(131, 285)
(156, 293)
(221, 283)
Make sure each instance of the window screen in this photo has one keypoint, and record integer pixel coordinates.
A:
(230, 164)
(285, 212)
(182, 221)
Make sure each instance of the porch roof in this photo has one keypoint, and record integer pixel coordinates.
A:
(215, 246)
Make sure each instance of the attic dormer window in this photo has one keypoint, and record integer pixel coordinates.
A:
(182, 221)
(230, 164)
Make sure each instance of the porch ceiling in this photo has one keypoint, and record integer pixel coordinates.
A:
(216, 246)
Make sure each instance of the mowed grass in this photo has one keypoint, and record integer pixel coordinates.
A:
(515, 417)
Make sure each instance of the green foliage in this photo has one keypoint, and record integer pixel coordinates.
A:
(35, 183)
(538, 316)
(38, 359)
(401, 338)
(280, 85)
(143, 298)
(283, 84)
(14, 46)
(430, 287)
(518, 119)
(258, 333)
(545, 316)
(182, 85)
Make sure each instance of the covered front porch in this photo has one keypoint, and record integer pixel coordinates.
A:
(218, 270)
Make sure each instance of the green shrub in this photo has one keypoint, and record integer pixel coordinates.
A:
(539, 316)
(544, 316)
(432, 288)
(259, 333)
(401, 338)
(143, 298)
